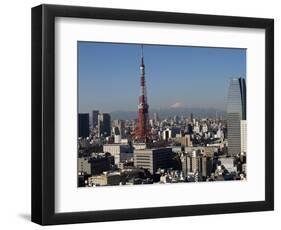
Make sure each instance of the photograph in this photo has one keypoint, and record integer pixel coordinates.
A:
(160, 114)
(141, 114)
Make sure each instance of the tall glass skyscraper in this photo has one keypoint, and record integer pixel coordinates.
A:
(104, 124)
(236, 116)
(95, 114)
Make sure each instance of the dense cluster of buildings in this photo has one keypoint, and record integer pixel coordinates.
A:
(148, 150)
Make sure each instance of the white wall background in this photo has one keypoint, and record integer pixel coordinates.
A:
(15, 167)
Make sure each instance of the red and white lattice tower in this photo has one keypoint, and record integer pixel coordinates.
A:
(142, 131)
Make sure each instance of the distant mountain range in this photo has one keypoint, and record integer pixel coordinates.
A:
(171, 112)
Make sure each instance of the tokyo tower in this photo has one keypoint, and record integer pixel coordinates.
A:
(142, 131)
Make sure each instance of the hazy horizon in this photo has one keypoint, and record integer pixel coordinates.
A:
(154, 109)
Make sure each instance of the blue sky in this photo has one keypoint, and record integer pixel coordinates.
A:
(176, 76)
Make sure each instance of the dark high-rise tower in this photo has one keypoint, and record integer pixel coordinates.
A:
(142, 130)
(83, 125)
(236, 116)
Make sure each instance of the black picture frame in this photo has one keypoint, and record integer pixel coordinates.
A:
(43, 110)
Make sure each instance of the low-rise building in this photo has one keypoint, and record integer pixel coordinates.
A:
(100, 163)
(105, 179)
(121, 152)
(138, 146)
(153, 159)
(192, 163)
(186, 141)
(84, 166)
(228, 163)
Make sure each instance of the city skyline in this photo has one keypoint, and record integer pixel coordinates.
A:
(159, 150)
(116, 66)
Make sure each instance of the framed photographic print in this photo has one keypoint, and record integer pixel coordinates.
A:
(142, 114)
